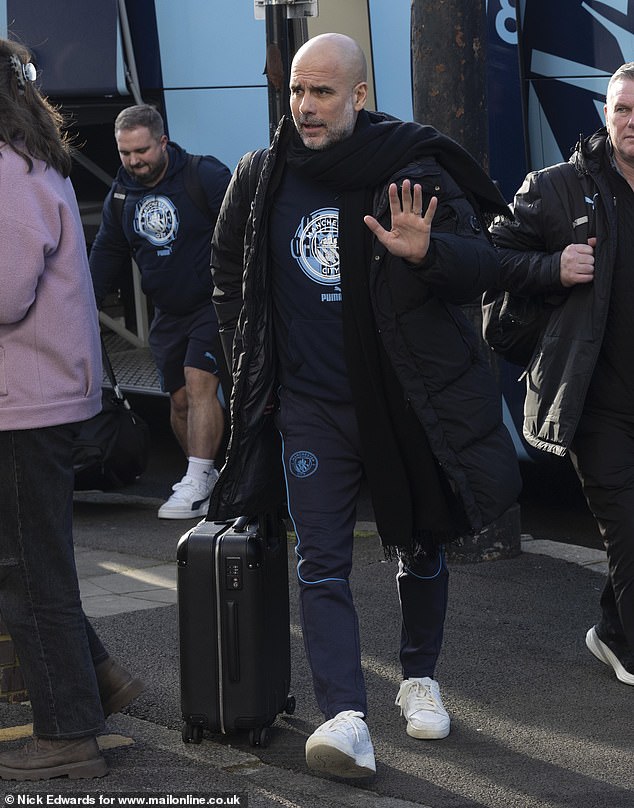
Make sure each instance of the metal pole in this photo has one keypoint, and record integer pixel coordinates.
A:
(277, 63)
(132, 76)
(286, 31)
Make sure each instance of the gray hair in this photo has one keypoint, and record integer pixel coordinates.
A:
(625, 72)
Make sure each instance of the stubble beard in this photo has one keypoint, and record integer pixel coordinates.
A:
(151, 177)
(333, 134)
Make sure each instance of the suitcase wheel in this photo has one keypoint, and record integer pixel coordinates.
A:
(289, 707)
(192, 733)
(259, 736)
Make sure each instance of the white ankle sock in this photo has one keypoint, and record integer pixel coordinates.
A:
(199, 469)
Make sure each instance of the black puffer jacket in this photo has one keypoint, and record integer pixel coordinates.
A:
(434, 350)
(546, 221)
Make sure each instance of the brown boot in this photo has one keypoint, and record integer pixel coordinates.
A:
(117, 687)
(42, 759)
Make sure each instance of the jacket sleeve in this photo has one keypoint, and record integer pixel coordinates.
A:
(529, 252)
(461, 262)
(215, 178)
(459, 268)
(109, 254)
(227, 254)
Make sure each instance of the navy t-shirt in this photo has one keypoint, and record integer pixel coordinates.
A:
(304, 233)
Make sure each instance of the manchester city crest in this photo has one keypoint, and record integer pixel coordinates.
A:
(156, 219)
(303, 464)
(315, 246)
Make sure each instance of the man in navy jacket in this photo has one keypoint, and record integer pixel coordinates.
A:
(168, 230)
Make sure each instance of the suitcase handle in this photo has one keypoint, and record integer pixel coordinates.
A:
(268, 529)
(241, 524)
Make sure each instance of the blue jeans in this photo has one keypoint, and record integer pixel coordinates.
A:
(323, 468)
(39, 591)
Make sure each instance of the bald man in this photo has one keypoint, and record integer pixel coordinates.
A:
(349, 346)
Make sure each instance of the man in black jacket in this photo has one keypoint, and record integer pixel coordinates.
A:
(580, 383)
(168, 229)
(348, 340)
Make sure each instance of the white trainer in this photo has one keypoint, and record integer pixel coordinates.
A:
(606, 655)
(342, 747)
(189, 500)
(422, 707)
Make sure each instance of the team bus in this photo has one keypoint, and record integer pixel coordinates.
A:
(202, 62)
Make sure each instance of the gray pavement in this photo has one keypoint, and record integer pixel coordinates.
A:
(537, 722)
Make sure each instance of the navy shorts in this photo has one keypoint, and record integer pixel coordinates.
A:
(189, 340)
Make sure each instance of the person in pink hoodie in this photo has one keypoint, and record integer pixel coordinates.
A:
(50, 380)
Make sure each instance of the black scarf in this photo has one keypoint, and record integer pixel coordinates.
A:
(380, 146)
(414, 506)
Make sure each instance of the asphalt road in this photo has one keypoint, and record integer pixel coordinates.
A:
(537, 722)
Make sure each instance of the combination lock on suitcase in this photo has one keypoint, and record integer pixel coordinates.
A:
(234, 632)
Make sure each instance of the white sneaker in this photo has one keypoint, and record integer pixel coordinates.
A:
(607, 655)
(422, 707)
(189, 500)
(342, 747)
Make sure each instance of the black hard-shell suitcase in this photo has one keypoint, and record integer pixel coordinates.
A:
(234, 631)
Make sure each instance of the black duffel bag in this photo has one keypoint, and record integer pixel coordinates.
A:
(512, 326)
(112, 448)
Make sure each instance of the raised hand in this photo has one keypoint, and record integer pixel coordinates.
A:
(410, 231)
